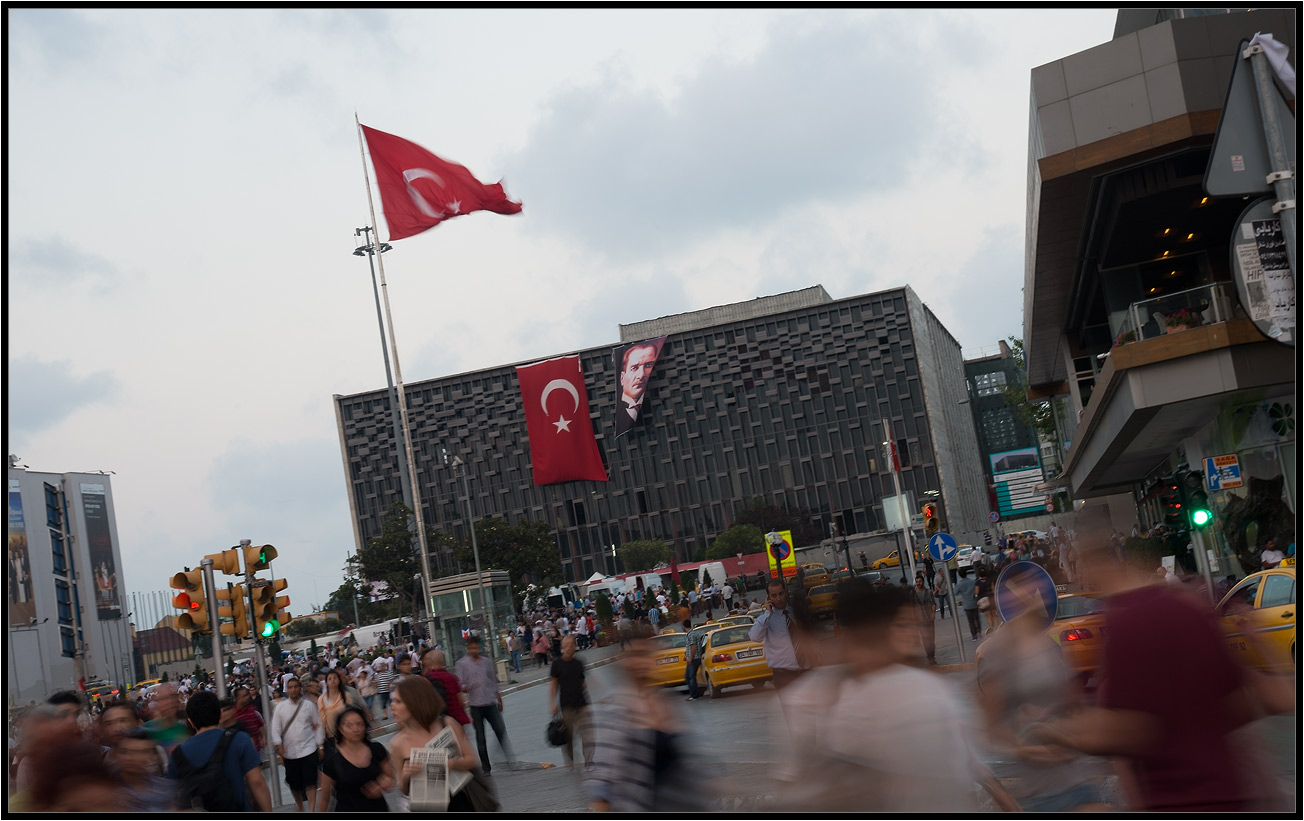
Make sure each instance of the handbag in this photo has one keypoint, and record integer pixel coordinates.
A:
(557, 734)
(480, 793)
(985, 603)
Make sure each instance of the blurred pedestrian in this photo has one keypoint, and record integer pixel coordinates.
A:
(787, 632)
(541, 646)
(355, 771)
(421, 715)
(939, 596)
(69, 775)
(480, 680)
(448, 685)
(862, 730)
(968, 602)
(925, 608)
(137, 760)
(641, 756)
(569, 696)
(241, 767)
(985, 593)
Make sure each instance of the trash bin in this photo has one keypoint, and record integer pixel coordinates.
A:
(502, 671)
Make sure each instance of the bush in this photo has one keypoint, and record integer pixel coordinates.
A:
(605, 615)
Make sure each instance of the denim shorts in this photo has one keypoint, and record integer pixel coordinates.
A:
(1086, 793)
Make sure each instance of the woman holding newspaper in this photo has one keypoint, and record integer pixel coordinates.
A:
(427, 732)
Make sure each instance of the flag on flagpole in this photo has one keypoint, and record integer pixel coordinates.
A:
(562, 447)
(419, 190)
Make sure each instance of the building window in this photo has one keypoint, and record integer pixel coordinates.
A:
(63, 598)
(56, 550)
(68, 645)
(52, 517)
(989, 384)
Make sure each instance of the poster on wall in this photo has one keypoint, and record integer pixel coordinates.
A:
(21, 599)
(634, 364)
(99, 544)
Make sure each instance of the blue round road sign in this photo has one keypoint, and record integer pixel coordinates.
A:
(1024, 587)
(942, 546)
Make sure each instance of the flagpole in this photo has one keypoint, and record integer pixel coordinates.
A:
(402, 399)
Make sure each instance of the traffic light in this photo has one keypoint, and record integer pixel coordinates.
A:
(191, 600)
(1170, 501)
(228, 562)
(232, 606)
(258, 556)
(1194, 498)
(267, 606)
(931, 522)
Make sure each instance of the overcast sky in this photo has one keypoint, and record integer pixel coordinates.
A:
(184, 186)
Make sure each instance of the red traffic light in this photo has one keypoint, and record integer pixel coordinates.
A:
(182, 601)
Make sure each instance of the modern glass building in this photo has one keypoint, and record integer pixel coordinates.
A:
(780, 398)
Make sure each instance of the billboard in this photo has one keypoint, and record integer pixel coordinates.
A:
(21, 598)
(634, 364)
(99, 544)
(1015, 476)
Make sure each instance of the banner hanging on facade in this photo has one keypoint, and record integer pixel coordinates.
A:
(562, 447)
(99, 544)
(21, 598)
(634, 364)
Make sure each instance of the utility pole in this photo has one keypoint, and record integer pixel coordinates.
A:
(260, 676)
(893, 462)
(486, 602)
(214, 625)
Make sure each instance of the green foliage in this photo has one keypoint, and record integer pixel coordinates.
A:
(605, 614)
(768, 517)
(643, 555)
(744, 539)
(1038, 415)
(274, 650)
(631, 612)
(312, 647)
(163, 677)
(392, 557)
(369, 612)
(526, 550)
(706, 578)
(672, 592)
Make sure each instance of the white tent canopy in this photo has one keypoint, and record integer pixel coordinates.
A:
(596, 577)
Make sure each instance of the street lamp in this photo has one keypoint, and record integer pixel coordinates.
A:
(488, 601)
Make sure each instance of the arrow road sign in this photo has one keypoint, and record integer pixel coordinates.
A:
(942, 546)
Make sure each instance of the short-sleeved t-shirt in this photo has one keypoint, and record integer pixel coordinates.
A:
(241, 757)
(570, 683)
(349, 780)
(1167, 657)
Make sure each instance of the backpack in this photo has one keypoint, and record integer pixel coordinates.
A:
(206, 788)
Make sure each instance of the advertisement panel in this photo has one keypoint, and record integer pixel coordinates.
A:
(99, 544)
(1015, 476)
(21, 601)
(634, 364)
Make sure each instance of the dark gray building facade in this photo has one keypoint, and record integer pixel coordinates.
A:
(1009, 447)
(780, 398)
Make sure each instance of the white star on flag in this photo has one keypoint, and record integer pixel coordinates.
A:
(455, 206)
(563, 424)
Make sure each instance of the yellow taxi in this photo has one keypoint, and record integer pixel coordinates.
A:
(1267, 601)
(892, 559)
(730, 658)
(822, 599)
(814, 574)
(728, 620)
(668, 653)
(1079, 630)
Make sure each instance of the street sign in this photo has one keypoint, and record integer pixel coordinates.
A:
(1050, 507)
(993, 517)
(942, 546)
(781, 557)
(1026, 587)
(1239, 163)
(1261, 267)
(1222, 472)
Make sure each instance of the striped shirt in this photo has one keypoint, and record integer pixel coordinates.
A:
(479, 680)
(383, 678)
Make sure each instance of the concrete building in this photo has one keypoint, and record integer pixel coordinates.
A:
(780, 398)
(66, 610)
(1121, 238)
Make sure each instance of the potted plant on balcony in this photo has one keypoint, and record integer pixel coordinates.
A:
(1180, 320)
(1124, 338)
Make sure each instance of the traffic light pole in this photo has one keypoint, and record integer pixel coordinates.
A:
(214, 624)
(260, 677)
(908, 546)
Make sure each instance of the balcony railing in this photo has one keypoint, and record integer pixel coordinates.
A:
(1170, 313)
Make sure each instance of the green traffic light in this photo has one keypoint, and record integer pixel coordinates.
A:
(271, 628)
(1200, 517)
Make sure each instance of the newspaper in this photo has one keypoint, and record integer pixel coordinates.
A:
(431, 788)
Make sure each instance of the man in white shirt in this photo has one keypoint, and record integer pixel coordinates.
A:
(1271, 556)
(297, 736)
(728, 592)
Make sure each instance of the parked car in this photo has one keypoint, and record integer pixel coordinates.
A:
(1079, 630)
(874, 576)
(815, 575)
(668, 655)
(730, 658)
(1267, 600)
(965, 556)
(822, 600)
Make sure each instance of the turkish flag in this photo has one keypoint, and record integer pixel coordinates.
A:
(562, 447)
(419, 190)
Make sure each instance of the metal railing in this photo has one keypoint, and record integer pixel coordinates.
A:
(1204, 305)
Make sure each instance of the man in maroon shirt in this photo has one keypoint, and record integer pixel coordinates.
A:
(432, 667)
(1171, 696)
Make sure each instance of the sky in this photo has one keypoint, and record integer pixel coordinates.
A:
(184, 187)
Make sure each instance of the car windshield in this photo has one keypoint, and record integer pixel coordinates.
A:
(1071, 607)
(729, 635)
(823, 588)
(667, 641)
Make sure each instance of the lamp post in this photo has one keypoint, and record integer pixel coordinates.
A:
(486, 601)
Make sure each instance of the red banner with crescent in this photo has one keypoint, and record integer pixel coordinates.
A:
(562, 447)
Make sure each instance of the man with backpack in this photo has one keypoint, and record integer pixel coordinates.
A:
(218, 769)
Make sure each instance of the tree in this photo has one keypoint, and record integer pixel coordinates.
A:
(1037, 414)
(312, 648)
(706, 577)
(392, 558)
(369, 612)
(526, 550)
(605, 614)
(643, 555)
(745, 539)
(770, 518)
(202, 643)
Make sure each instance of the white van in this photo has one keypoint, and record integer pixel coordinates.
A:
(715, 570)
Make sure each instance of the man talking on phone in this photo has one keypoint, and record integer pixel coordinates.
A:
(786, 631)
